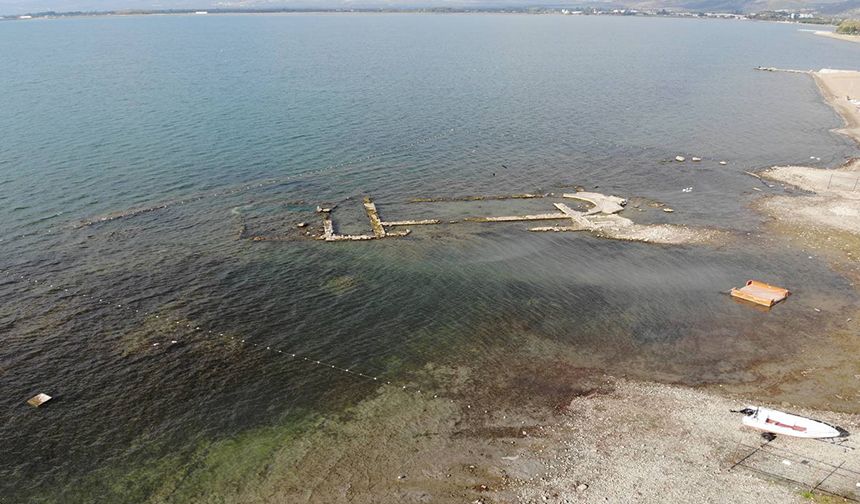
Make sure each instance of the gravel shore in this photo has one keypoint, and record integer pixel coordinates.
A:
(615, 440)
(646, 442)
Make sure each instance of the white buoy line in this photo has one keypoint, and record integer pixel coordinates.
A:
(297, 356)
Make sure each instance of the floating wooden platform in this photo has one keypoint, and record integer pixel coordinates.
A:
(760, 293)
(38, 400)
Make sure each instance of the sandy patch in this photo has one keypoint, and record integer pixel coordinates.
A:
(841, 89)
(838, 36)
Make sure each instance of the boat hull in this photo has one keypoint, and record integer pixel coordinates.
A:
(787, 424)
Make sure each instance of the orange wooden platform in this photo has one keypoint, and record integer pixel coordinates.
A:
(761, 293)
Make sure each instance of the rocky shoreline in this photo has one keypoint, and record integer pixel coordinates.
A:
(612, 440)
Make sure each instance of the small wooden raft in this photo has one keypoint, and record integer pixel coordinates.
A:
(760, 293)
(38, 400)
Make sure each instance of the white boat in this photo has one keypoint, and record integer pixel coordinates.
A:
(790, 425)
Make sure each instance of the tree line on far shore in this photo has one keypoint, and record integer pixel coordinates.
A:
(849, 27)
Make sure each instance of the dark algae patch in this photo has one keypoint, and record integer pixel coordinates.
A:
(204, 471)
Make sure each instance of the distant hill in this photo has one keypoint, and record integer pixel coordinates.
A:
(826, 7)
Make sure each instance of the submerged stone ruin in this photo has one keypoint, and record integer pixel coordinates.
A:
(376, 224)
(601, 220)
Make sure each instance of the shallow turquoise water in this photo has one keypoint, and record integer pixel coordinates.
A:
(103, 115)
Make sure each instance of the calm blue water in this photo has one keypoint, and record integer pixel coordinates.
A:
(228, 118)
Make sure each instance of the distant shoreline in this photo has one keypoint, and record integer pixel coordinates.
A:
(557, 11)
(216, 12)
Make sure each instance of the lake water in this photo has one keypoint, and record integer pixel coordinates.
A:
(254, 120)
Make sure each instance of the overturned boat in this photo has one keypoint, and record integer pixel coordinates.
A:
(779, 422)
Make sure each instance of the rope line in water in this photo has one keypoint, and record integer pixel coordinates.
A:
(298, 356)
